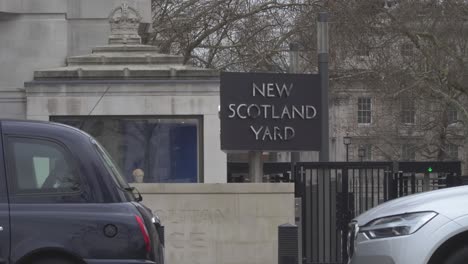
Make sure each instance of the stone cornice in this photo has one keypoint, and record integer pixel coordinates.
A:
(125, 58)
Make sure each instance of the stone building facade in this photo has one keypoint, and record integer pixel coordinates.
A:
(402, 128)
(127, 95)
(42, 34)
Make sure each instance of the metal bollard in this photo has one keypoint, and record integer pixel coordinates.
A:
(288, 244)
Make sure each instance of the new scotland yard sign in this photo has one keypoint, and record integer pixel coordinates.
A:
(270, 111)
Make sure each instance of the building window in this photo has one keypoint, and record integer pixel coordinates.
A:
(452, 151)
(408, 152)
(367, 151)
(408, 111)
(148, 149)
(364, 110)
(407, 49)
(362, 50)
(452, 115)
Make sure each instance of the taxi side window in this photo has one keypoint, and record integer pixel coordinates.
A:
(39, 166)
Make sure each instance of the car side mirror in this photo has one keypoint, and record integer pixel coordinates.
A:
(135, 193)
(139, 198)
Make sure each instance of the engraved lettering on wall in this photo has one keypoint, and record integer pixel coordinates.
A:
(187, 233)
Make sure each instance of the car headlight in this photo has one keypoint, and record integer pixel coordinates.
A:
(397, 225)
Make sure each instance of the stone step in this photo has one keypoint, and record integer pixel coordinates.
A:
(73, 73)
(128, 59)
(125, 48)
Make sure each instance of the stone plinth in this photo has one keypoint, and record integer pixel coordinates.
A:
(221, 223)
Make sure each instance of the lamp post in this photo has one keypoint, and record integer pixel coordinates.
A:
(361, 152)
(294, 68)
(347, 142)
(323, 54)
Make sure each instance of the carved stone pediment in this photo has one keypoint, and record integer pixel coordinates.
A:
(125, 21)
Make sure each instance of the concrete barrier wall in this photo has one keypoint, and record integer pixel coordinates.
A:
(221, 223)
(200, 98)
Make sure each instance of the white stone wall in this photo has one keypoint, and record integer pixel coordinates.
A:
(39, 34)
(12, 104)
(32, 6)
(221, 223)
(159, 98)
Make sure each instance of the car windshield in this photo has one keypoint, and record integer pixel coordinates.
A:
(111, 165)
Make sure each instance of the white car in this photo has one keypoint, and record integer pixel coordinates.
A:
(426, 228)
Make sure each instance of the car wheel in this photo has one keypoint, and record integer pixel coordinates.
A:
(459, 257)
(53, 260)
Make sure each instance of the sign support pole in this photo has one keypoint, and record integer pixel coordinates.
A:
(294, 68)
(322, 50)
(255, 166)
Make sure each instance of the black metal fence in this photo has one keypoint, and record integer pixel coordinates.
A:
(273, 172)
(335, 192)
(415, 177)
(332, 194)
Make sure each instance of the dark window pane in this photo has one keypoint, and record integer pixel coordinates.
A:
(407, 49)
(408, 152)
(452, 151)
(41, 166)
(367, 152)
(362, 50)
(408, 111)
(364, 110)
(147, 149)
(452, 115)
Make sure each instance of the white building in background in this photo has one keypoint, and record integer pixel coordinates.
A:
(151, 112)
(165, 101)
(40, 34)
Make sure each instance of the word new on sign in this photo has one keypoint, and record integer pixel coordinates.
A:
(263, 111)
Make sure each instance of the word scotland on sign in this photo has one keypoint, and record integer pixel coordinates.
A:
(270, 111)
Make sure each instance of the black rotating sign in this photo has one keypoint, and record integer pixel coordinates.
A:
(270, 111)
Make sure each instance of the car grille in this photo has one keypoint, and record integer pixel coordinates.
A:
(352, 235)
